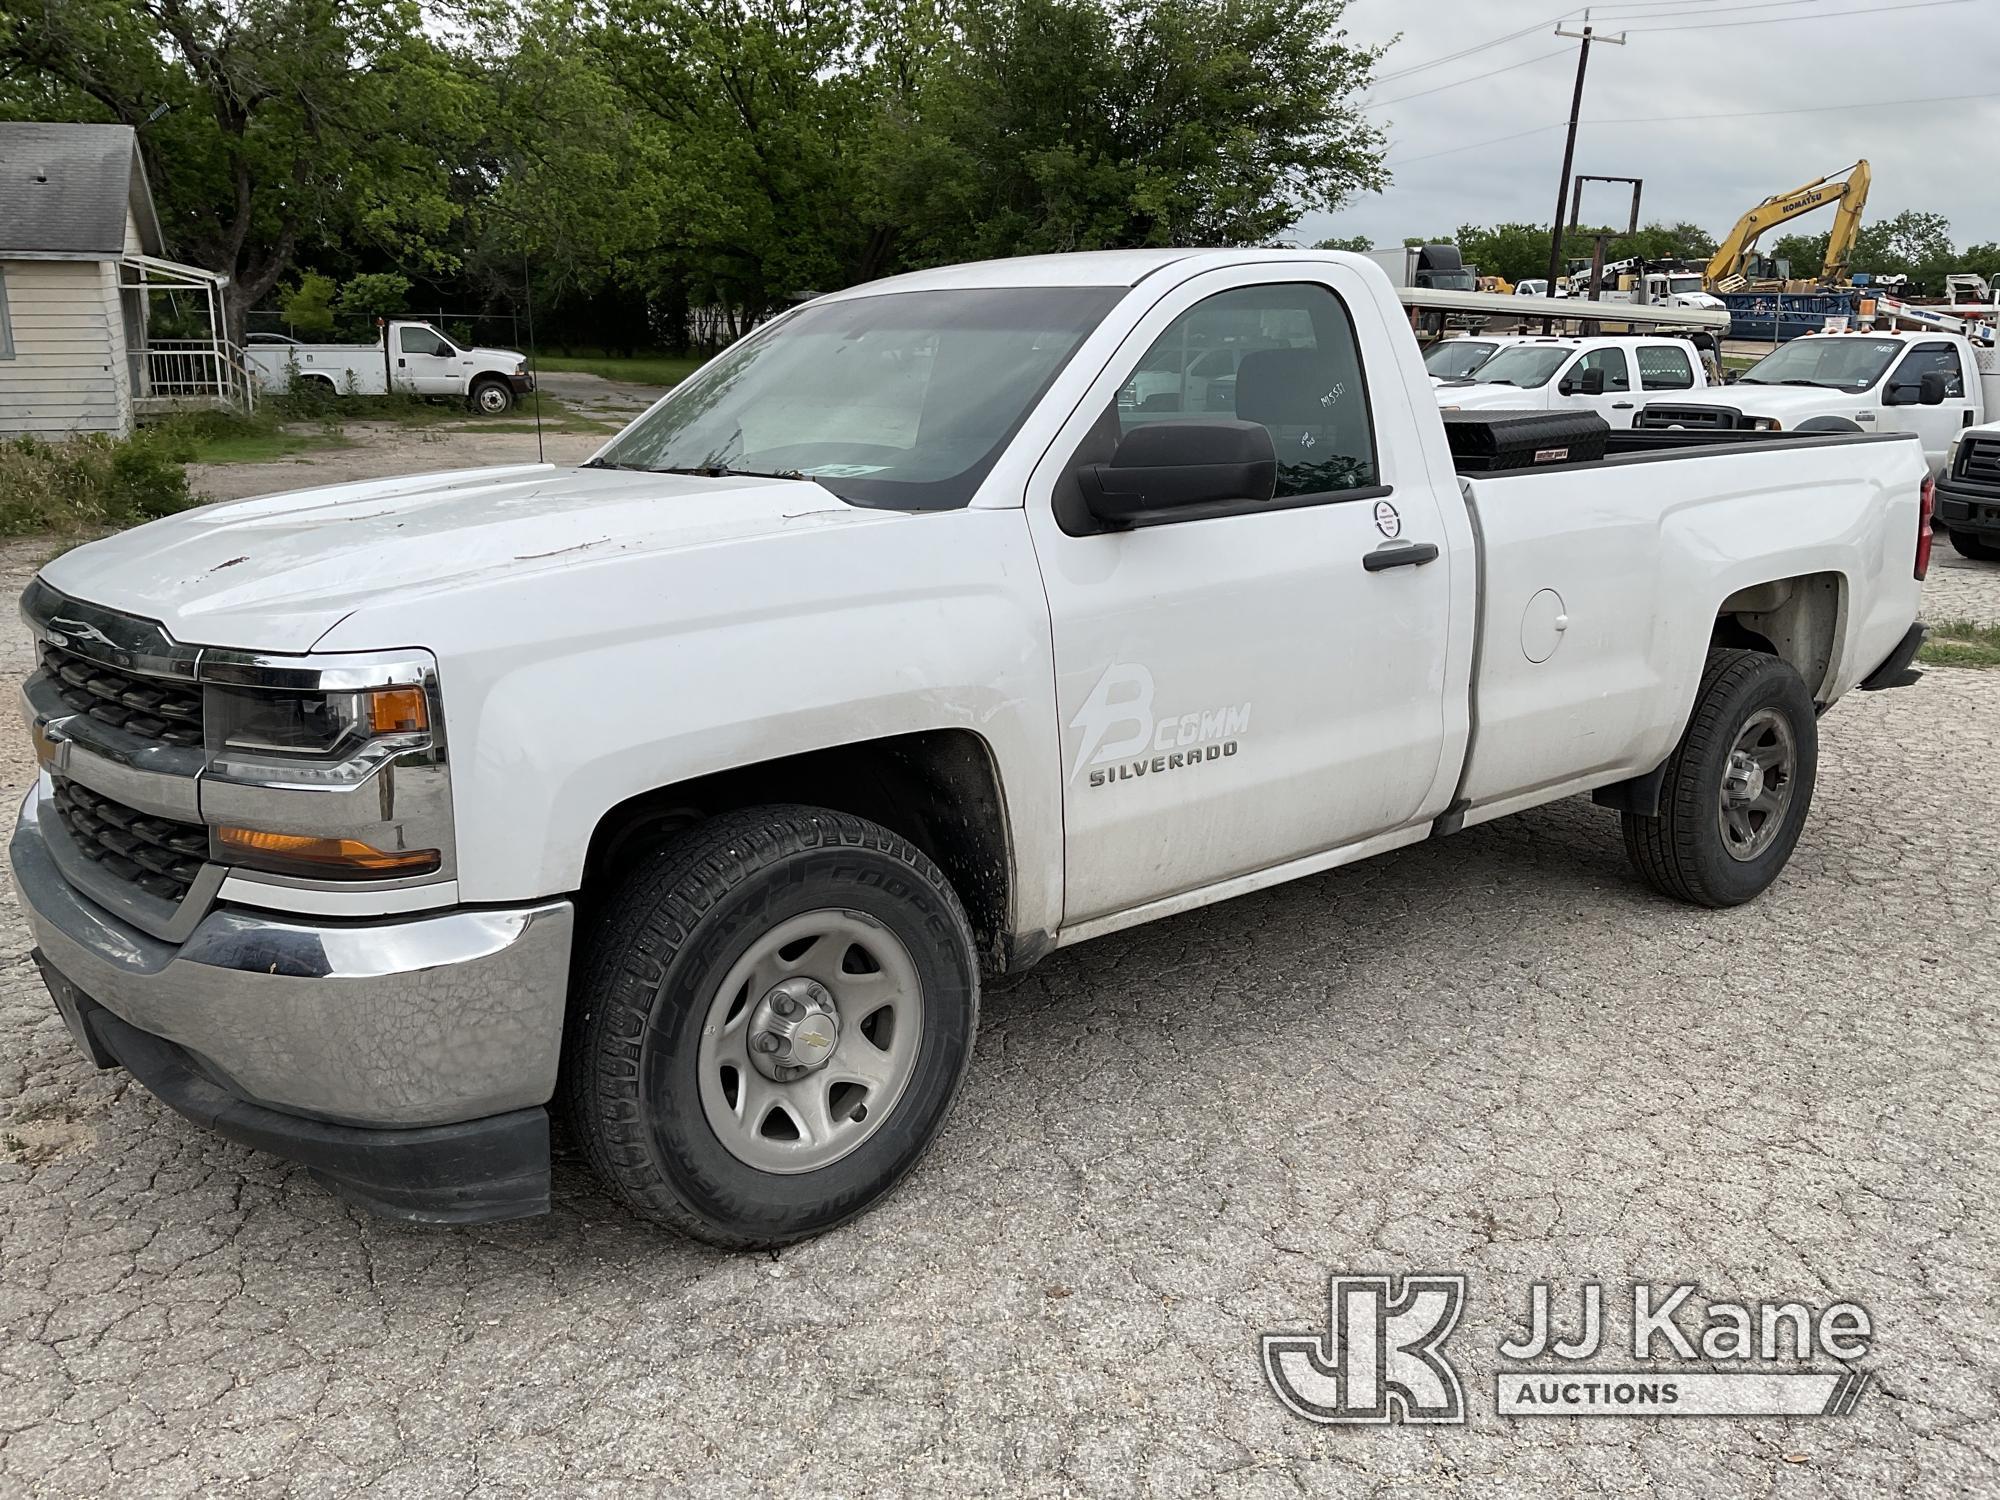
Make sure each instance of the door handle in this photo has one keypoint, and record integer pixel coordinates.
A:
(1621, 406)
(1399, 555)
(402, 363)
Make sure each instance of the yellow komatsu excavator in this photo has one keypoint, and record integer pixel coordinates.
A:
(1847, 188)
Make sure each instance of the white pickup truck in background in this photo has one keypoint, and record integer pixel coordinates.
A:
(690, 792)
(1934, 385)
(418, 360)
(1611, 376)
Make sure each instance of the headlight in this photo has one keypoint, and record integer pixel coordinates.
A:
(1951, 454)
(1448, 408)
(311, 724)
(1766, 424)
(326, 770)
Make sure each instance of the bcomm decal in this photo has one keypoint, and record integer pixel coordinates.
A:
(1123, 739)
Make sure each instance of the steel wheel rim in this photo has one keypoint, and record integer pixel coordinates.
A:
(875, 1005)
(492, 399)
(1757, 784)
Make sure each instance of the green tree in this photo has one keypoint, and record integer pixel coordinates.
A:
(1355, 242)
(308, 306)
(292, 125)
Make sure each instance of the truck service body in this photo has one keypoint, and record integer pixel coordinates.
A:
(377, 821)
(419, 361)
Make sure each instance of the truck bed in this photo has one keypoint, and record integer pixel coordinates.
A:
(1597, 597)
(1510, 444)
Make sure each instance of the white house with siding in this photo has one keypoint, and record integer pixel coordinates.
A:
(81, 259)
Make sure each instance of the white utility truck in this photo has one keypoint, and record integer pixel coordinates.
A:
(1457, 358)
(1610, 375)
(411, 357)
(689, 793)
(1935, 385)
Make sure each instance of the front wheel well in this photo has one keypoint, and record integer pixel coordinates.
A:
(937, 788)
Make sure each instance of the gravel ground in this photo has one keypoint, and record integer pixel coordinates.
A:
(1494, 1055)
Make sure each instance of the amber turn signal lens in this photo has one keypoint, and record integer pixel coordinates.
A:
(328, 859)
(398, 711)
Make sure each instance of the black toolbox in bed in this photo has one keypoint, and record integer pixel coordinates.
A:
(1484, 441)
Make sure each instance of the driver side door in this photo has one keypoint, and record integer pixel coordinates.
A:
(1935, 426)
(425, 364)
(1617, 404)
(1239, 687)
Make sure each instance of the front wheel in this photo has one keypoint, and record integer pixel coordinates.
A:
(775, 1013)
(492, 398)
(1976, 548)
(1738, 786)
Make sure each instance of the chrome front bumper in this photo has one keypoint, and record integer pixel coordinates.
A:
(420, 1021)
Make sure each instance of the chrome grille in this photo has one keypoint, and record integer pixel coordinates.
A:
(1979, 461)
(161, 709)
(1694, 418)
(158, 855)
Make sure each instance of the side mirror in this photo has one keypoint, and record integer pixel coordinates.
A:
(1590, 383)
(1172, 465)
(1730, 377)
(1932, 388)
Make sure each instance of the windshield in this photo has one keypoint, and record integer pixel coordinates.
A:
(901, 400)
(1840, 363)
(1676, 284)
(1449, 281)
(1525, 366)
(1454, 359)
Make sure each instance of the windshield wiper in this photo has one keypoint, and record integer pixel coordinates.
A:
(723, 471)
(598, 463)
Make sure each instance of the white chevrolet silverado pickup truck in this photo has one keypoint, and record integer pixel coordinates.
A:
(688, 794)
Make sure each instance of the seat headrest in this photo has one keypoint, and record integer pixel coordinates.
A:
(1280, 388)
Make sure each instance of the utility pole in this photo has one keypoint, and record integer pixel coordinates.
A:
(1588, 35)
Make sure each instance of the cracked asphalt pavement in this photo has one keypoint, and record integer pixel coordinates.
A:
(1496, 1054)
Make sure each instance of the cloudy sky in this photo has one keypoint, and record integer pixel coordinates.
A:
(1731, 62)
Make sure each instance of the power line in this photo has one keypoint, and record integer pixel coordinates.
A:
(1514, 36)
(1528, 62)
(1645, 5)
(1813, 109)
(1829, 15)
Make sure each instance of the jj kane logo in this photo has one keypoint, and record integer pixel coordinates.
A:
(1382, 1357)
(1123, 739)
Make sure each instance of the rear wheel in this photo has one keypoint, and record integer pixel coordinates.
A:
(1977, 548)
(1738, 786)
(775, 1013)
(492, 398)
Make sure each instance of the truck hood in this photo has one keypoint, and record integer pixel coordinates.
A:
(278, 572)
(1785, 402)
(1476, 395)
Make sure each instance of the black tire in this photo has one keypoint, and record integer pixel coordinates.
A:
(1978, 549)
(652, 965)
(491, 397)
(1684, 852)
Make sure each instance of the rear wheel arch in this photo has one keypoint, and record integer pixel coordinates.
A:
(1796, 619)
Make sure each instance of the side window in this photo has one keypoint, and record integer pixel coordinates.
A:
(1921, 360)
(1617, 374)
(420, 341)
(1283, 356)
(6, 321)
(1665, 367)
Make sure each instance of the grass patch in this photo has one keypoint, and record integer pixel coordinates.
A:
(649, 369)
(1961, 643)
(91, 483)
